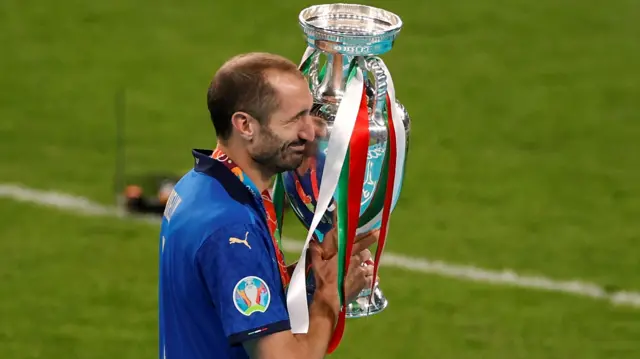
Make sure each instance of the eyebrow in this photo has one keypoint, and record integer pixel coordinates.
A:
(301, 113)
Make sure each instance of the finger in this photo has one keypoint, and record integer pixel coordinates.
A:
(362, 259)
(368, 271)
(330, 243)
(365, 242)
(355, 262)
(365, 256)
(368, 282)
(331, 238)
(315, 251)
(374, 232)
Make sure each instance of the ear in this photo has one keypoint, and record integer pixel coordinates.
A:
(244, 124)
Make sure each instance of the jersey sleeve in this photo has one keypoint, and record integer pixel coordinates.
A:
(242, 278)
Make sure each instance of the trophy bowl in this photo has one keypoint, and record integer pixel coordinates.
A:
(350, 29)
(347, 35)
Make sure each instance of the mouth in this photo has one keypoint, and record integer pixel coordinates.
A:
(297, 148)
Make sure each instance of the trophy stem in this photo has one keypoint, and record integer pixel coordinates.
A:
(333, 84)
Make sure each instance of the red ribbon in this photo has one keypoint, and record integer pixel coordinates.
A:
(358, 150)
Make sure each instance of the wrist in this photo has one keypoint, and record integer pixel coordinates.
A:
(328, 296)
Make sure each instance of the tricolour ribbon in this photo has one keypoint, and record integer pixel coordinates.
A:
(388, 199)
(357, 164)
(345, 169)
(338, 145)
(395, 152)
(399, 134)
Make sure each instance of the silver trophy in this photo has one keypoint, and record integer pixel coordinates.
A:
(339, 37)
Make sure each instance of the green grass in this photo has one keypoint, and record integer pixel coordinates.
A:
(524, 154)
(83, 287)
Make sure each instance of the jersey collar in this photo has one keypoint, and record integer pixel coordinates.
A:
(204, 163)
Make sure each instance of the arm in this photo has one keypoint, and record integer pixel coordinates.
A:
(241, 277)
(255, 314)
(330, 248)
(285, 344)
(323, 315)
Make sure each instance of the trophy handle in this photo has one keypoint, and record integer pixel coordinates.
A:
(314, 69)
(373, 65)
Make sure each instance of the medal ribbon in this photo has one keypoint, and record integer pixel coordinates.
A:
(274, 221)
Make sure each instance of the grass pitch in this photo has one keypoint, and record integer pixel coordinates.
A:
(524, 154)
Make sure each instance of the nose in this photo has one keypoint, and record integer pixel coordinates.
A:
(308, 130)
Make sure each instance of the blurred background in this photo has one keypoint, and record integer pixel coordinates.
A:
(525, 155)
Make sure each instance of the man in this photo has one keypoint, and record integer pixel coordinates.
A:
(222, 275)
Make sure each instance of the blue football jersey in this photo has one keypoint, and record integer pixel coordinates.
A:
(219, 283)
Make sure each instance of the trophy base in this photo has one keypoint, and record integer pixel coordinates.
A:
(362, 308)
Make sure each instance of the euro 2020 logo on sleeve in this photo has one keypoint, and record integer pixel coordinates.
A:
(251, 295)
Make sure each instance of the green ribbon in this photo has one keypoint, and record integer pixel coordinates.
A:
(342, 195)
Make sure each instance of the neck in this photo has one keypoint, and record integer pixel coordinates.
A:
(258, 175)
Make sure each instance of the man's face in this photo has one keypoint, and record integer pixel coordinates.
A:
(280, 144)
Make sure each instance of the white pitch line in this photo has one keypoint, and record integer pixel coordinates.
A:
(508, 277)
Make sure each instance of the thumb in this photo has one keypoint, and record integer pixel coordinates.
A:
(315, 250)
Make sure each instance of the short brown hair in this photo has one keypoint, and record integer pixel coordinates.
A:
(241, 84)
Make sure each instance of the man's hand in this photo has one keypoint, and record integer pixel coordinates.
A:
(359, 275)
(362, 242)
(360, 272)
(323, 315)
(325, 272)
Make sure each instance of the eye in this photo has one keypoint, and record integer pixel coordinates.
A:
(300, 115)
(294, 120)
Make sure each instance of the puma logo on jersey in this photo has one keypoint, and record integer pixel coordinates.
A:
(234, 240)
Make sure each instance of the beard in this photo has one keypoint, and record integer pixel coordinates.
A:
(275, 154)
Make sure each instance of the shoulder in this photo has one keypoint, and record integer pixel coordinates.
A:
(235, 244)
(251, 238)
(200, 201)
(201, 212)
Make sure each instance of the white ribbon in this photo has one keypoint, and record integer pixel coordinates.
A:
(401, 144)
(344, 124)
(401, 136)
(308, 52)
